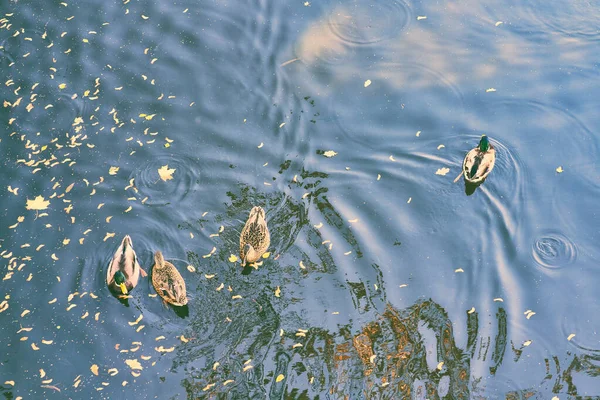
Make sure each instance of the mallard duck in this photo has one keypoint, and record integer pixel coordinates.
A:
(168, 282)
(255, 238)
(479, 162)
(124, 270)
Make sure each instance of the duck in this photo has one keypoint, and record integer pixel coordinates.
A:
(124, 270)
(168, 282)
(255, 238)
(479, 162)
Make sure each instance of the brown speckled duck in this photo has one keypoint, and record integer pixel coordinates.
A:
(255, 238)
(168, 282)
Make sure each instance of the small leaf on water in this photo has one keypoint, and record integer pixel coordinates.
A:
(113, 170)
(37, 204)
(166, 173)
(571, 336)
(279, 378)
(134, 364)
(233, 258)
(94, 369)
(367, 83)
(330, 153)
(560, 170)
(442, 171)
(278, 292)
(490, 90)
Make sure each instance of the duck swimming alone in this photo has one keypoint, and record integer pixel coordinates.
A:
(255, 238)
(168, 282)
(479, 162)
(124, 270)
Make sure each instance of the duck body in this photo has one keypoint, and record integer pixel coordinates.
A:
(168, 282)
(479, 162)
(124, 270)
(255, 238)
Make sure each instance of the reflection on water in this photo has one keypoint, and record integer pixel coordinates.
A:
(168, 122)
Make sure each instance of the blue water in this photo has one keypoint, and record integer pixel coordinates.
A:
(384, 280)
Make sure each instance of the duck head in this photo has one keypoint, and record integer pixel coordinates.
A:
(484, 143)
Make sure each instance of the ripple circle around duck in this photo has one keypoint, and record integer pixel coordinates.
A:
(554, 251)
(159, 193)
(365, 22)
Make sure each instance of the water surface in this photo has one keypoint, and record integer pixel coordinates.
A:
(384, 279)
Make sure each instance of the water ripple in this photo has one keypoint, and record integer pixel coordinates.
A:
(365, 22)
(554, 250)
(572, 19)
(158, 192)
(401, 100)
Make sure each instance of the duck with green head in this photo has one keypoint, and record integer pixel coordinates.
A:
(124, 270)
(479, 162)
(255, 238)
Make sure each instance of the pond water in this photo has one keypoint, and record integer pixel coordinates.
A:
(347, 121)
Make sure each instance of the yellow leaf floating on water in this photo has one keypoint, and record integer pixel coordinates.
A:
(527, 343)
(233, 258)
(330, 153)
(367, 83)
(442, 171)
(37, 204)
(137, 321)
(164, 350)
(440, 365)
(420, 17)
(278, 292)
(113, 170)
(560, 170)
(498, 23)
(166, 173)
(11, 383)
(490, 90)
(94, 369)
(134, 364)
(191, 268)
(279, 378)
(62, 86)
(266, 255)
(108, 236)
(571, 336)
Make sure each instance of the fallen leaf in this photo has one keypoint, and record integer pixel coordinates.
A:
(279, 378)
(367, 83)
(233, 258)
(166, 173)
(113, 170)
(278, 292)
(490, 90)
(442, 171)
(420, 17)
(330, 153)
(571, 336)
(560, 170)
(134, 364)
(37, 204)
(94, 369)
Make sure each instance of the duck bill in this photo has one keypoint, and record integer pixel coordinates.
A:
(123, 288)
